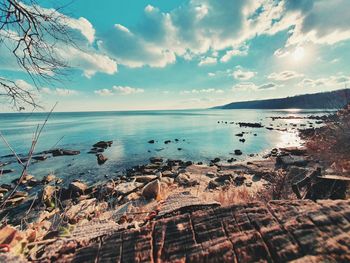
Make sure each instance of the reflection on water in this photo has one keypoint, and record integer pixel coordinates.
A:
(202, 135)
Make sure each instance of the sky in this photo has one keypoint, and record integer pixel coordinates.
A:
(183, 54)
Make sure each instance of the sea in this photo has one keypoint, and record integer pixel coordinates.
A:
(195, 135)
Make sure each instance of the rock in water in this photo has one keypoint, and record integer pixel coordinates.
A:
(103, 144)
(62, 152)
(238, 152)
(250, 125)
(101, 159)
(151, 190)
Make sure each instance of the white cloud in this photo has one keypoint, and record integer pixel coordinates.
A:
(233, 53)
(89, 62)
(198, 27)
(62, 92)
(201, 91)
(122, 90)
(338, 81)
(285, 75)
(243, 74)
(250, 86)
(207, 61)
(86, 57)
(244, 86)
(103, 92)
(83, 25)
(24, 85)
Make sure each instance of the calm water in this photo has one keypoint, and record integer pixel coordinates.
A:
(200, 136)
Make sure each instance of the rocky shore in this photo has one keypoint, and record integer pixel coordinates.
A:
(160, 188)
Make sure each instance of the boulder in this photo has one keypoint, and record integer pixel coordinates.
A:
(250, 124)
(62, 152)
(151, 190)
(127, 188)
(239, 180)
(156, 160)
(295, 150)
(188, 163)
(213, 184)
(211, 174)
(145, 178)
(224, 178)
(288, 160)
(101, 159)
(103, 144)
(167, 180)
(6, 171)
(231, 160)
(40, 157)
(215, 160)
(168, 174)
(184, 179)
(3, 190)
(151, 141)
(159, 175)
(77, 187)
(238, 152)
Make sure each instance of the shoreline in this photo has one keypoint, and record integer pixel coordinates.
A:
(151, 191)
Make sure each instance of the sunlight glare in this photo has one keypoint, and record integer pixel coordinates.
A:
(298, 54)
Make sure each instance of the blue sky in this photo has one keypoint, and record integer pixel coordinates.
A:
(180, 54)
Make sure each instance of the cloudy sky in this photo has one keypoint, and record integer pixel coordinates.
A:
(156, 54)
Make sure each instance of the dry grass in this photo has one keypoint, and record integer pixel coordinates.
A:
(331, 143)
(234, 195)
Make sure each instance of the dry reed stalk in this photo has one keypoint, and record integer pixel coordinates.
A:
(35, 139)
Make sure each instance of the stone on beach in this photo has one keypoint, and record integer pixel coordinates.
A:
(184, 179)
(127, 188)
(288, 160)
(151, 190)
(294, 150)
(145, 178)
(47, 194)
(156, 160)
(77, 187)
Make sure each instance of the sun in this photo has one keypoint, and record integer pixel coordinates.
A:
(298, 54)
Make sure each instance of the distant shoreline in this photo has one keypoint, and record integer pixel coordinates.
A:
(323, 100)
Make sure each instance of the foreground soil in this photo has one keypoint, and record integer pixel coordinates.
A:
(279, 231)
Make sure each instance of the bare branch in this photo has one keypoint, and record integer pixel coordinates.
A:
(32, 34)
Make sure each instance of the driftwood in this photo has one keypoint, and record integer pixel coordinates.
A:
(278, 231)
